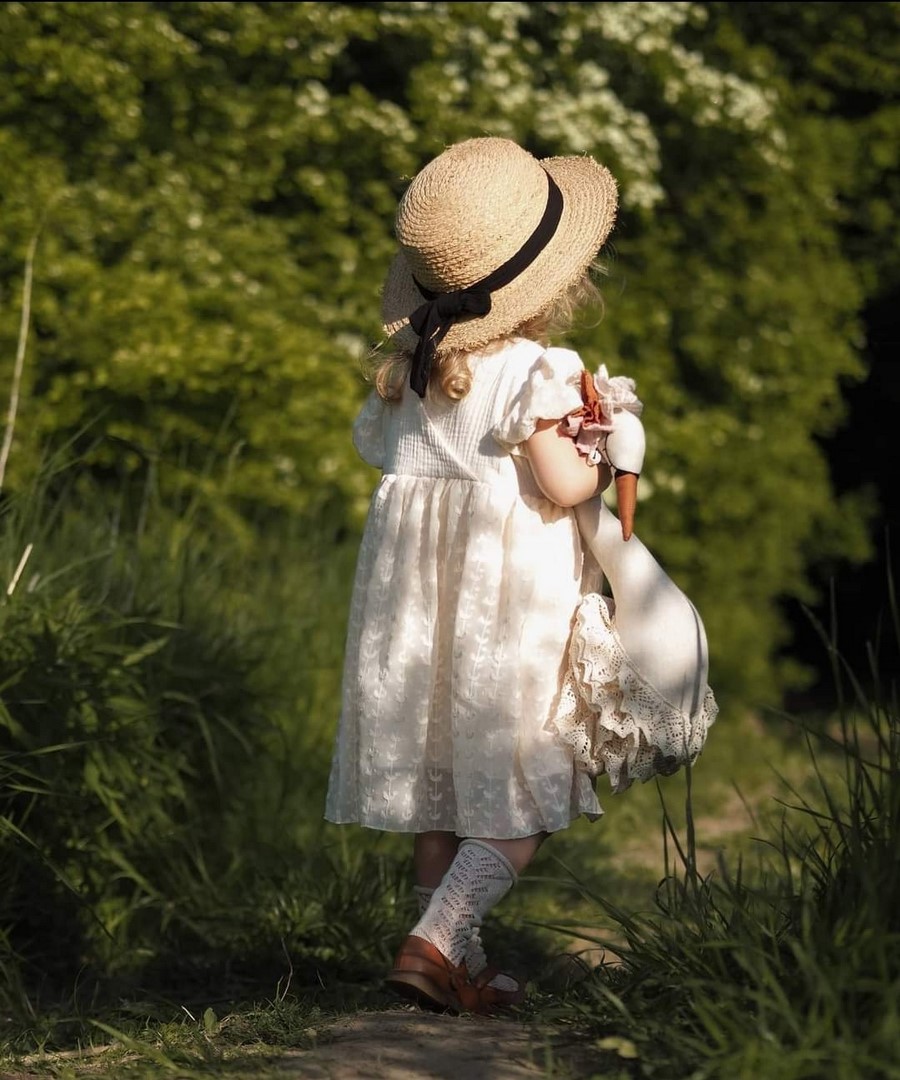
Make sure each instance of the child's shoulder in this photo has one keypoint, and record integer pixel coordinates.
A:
(542, 383)
(525, 358)
(530, 371)
(525, 354)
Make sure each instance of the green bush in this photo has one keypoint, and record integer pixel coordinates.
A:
(164, 702)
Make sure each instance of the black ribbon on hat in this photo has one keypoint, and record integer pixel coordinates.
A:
(433, 320)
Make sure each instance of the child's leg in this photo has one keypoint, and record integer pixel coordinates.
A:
(431, 964)
(433, 852)
(520, 852)
(432, 848)
(481, 874)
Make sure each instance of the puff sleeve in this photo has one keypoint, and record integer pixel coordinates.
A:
(551, 391)
(368, 431)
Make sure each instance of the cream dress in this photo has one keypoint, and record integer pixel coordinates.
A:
(466, 587)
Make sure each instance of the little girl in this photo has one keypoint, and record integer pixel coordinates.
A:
(471, 565)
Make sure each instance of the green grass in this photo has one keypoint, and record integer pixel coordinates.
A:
(782, 961)
(738, 790)
(702, 953)
(162, 758)
(166, 710)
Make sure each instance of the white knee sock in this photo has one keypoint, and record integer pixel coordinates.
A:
(476, 960)
(478, 878)
(658, 626)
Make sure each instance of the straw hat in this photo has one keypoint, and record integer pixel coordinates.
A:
(473, 208)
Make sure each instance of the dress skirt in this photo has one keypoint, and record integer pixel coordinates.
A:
(466, 586)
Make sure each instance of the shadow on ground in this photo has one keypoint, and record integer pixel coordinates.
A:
(404, 1043)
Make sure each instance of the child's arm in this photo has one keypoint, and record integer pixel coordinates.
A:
(561, 472)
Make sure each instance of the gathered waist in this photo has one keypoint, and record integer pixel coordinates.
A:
(503, 480)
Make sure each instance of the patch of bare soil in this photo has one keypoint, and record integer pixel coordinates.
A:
(408, 1044)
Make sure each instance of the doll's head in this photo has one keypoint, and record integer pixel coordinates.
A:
(492, 240)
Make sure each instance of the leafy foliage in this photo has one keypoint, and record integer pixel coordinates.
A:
(213, 185)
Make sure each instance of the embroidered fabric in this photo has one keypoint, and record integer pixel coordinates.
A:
(368, 431)
(616, 722)
(466, 581)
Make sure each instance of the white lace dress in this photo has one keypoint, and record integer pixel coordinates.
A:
(466, 586)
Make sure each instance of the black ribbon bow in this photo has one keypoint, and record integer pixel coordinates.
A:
(433, 320)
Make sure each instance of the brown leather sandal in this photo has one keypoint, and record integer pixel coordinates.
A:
(421, 972)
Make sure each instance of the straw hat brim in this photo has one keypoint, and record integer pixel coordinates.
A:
(589, 210)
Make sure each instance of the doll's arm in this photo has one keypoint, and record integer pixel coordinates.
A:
(607, 428)
(623, 451)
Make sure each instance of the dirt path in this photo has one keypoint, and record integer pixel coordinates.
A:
(407, 1044)
(402, 1043)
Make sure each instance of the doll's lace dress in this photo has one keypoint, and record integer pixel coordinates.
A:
(616, 721)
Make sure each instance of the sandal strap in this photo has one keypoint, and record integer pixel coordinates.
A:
(484, 976)
(491, 997)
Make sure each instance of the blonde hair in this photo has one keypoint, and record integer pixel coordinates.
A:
(451, 374)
